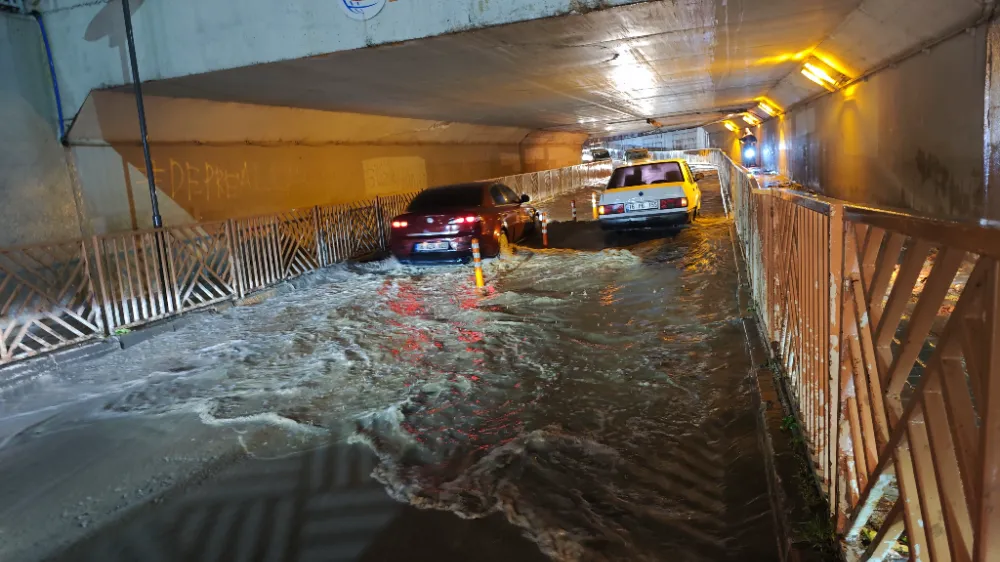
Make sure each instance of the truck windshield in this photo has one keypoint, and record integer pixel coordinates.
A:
(646, 174)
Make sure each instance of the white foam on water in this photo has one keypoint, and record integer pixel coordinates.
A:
(566, 519)
(265, 418)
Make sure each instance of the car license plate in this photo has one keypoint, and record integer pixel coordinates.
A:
(432, 246)
(642, 205)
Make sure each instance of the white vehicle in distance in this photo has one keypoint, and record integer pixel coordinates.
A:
(661, 193)
(637, 156)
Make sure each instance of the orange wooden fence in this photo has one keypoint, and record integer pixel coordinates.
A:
(888, 327)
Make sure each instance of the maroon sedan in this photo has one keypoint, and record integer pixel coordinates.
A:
(441, 222)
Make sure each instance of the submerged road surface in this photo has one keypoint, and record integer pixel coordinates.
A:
(594, 404)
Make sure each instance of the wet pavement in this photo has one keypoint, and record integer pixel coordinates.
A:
(592, 404)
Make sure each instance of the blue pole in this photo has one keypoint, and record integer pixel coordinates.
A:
(52, 71)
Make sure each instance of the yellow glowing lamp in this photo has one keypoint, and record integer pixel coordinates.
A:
(731, 126)
(820, 73)
(767, 109)
(751, 119)
(808, 74)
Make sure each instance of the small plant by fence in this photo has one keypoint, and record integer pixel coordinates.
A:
(56, 295)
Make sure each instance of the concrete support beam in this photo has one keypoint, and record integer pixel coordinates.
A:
(543, 150)
(185, 37)
(217, 160)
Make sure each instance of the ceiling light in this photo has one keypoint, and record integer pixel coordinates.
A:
(816, 79)
(732, 127)
(751, 119)
(820, 73)
(767, 109)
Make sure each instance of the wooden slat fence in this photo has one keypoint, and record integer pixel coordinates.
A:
(888, 327)
(55, 295)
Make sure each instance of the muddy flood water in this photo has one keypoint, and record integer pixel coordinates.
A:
(594, 404)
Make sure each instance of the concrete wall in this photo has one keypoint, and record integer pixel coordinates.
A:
(548, 150)
(910, 137)
(32, 164)
(201, 183)
(183, 37)
(728, 141)
(216, 160)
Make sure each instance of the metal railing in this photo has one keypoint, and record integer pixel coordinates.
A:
(56, 295)
(549, 183)
(888, 327)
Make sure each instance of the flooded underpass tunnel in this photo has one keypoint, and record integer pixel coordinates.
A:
(589, 404)
(241, 317)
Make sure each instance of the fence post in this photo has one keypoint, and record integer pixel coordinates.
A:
(380, 223)
(168, 275)
(836, 285)
(319, 237)
(236, 258)
(97, 299)
(109, 324)
(233, 272)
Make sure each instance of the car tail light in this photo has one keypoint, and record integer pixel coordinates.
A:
(674, 203)
(612, 209)
(464, 220)
(400, 224)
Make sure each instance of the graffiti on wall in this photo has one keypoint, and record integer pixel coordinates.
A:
(204, 182)
(397, 174)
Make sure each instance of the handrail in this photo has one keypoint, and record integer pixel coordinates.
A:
(972, 237)
(969, 236)
(887, 325)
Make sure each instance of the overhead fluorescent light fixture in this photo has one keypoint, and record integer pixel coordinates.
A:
(731, 126)
(823, 74)
(808, 74)
(766, 108)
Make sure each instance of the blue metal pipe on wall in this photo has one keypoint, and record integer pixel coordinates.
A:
(52, 71)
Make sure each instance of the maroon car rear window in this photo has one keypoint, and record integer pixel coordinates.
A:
(451, 197)
(646, 174)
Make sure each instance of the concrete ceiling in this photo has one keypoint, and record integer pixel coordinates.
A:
(683, 63)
